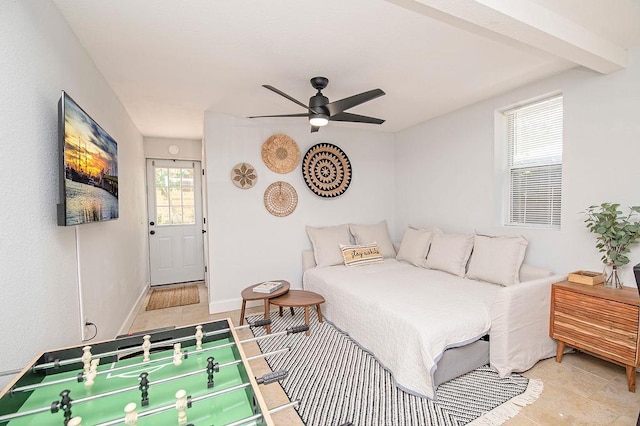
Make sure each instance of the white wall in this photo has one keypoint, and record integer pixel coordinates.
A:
(446, 174)
(40, 56)
(247, 244)
(188, 149)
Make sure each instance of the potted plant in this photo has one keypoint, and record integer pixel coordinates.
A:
(615, 231)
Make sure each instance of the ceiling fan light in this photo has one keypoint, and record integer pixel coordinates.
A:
(319, 120)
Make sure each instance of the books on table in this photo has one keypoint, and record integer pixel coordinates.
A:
(267, 287)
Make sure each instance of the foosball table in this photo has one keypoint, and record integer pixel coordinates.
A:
(197, 375)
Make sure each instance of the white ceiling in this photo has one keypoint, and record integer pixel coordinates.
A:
(170, 61)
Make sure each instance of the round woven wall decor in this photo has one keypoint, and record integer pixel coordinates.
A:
(280, 199)
(326, 170)
(243, 175)
(280, 153)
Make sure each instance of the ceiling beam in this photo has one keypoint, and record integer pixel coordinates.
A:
(526, 22)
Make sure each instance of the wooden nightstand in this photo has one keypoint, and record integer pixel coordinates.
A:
(598, 320)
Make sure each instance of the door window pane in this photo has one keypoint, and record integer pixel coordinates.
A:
(188, 214)
(176, 215)
(162, 215)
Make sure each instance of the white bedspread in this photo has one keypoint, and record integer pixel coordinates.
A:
(406, 316)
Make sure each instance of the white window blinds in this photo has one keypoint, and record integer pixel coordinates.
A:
(534, 138)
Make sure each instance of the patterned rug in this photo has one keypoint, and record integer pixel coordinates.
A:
(175, 296)
(337, 382)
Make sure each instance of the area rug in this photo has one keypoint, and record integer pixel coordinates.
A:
(170, 297)
(337, 382)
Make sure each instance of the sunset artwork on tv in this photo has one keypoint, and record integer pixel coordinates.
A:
(90, 168)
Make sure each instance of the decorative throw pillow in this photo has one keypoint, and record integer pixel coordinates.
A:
(365, 234)
(326, 243)
(497, 259)
(358, 255)
(449, 253)
(415, 246)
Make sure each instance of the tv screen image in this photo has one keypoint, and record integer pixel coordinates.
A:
(89, 169)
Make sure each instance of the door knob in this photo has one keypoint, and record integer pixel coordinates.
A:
(152, 232)
(152, 223)
(204, 231)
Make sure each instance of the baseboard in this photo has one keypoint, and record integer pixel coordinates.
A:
(128, 322)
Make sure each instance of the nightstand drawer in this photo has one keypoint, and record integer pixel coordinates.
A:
(611, 344)
(595, 311)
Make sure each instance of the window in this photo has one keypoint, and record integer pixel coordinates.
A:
(175, 201)
(534, 160)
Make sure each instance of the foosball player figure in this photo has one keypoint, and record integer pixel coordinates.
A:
(144, 388)
(86, 359)
(177, 354)
(181, 406)
(211, 367)
(130, 416)
(64, 405)
(76, 421)
(93, 372)
(199, 336)
(146, 347)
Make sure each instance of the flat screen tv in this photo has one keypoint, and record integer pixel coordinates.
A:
(88, 167)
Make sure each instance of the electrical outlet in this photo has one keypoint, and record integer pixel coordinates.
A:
(85, 321)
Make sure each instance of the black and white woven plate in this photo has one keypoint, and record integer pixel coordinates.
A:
(326, 170)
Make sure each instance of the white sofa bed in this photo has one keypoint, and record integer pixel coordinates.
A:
(426, 325)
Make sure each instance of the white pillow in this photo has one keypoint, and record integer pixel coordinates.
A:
(326, 243)
(449, 253)
(415, 246)
(365, 234)
(497, 259)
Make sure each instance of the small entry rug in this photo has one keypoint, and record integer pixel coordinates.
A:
(337, 381)
(176, 296)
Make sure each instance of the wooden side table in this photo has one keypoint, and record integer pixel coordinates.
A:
(249, 294)
(598, 320)
(297, 299)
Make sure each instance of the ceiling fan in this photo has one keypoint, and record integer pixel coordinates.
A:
(321, 111)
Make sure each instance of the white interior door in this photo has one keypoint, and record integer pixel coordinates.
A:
(176, 244)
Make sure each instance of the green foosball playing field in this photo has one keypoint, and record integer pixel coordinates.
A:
(196, 376)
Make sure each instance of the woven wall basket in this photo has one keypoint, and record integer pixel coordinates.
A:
(243, 175)
(280, 153)
(326, 170)
(280, 199)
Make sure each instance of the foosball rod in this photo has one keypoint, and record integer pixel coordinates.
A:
(136, 387)
(258, 416)
(191, 401)
(60, 363)
(292, 330)
(145, 363)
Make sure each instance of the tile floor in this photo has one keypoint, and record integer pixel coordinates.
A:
(582, 390)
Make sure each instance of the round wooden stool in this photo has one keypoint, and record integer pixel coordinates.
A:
(299, 299)
(249, 294)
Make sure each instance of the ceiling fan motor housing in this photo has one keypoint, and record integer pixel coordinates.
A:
(317, 103)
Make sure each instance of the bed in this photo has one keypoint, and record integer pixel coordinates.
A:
(427, 326)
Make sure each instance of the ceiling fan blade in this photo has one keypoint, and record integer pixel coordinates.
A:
(281, 93)
(314, 129)
(346, 103)
(280, 115)
(355, 118)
